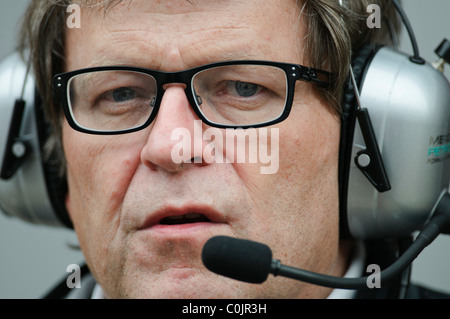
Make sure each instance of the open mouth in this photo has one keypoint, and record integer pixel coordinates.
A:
(190, 218)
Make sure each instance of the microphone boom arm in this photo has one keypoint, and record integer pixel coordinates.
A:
(439, 223)
(252, 262)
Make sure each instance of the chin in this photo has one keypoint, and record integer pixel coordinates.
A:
(194, 286)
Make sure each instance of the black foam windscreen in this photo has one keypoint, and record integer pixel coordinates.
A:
(239, 259)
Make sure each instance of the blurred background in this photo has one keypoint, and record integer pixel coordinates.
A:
(34, 258)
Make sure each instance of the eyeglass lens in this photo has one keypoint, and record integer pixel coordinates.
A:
(227, 95)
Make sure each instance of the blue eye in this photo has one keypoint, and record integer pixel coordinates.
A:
(245, 89)
(123, 94)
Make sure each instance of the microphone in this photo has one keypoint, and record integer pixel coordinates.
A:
(252, 262)
(239, 259)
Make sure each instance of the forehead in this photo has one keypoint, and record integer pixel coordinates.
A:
(177, 34)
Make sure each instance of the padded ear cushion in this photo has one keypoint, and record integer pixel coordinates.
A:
(55, 184)
(360, 63)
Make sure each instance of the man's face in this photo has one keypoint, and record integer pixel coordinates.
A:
(122, 187)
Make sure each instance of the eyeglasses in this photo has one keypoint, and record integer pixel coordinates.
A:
(234, 94)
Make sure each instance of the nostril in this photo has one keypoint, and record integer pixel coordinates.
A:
(197, 159)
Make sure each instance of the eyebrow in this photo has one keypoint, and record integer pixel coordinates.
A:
(116, 59)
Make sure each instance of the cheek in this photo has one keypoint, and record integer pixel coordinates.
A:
(311, 161)
(306, 179)
(304, 191)
(311, 149)
(312, 136)
(99, 170)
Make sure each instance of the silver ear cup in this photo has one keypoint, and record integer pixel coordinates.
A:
(24, 195)
(409, 107)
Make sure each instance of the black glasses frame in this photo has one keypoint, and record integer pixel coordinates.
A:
(293, 73)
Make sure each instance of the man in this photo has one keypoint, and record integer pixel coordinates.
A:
(141, 216)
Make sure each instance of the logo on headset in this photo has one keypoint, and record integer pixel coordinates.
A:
(439, 148)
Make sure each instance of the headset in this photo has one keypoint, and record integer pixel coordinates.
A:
(399, 167)
(31, 187)
(393, 164)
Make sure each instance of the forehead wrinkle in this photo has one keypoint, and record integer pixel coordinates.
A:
(133, 40)
(156, 48)
(194, 49)
(130, 55)
(221, 44)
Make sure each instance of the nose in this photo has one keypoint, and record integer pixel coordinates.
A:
(175, 137)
